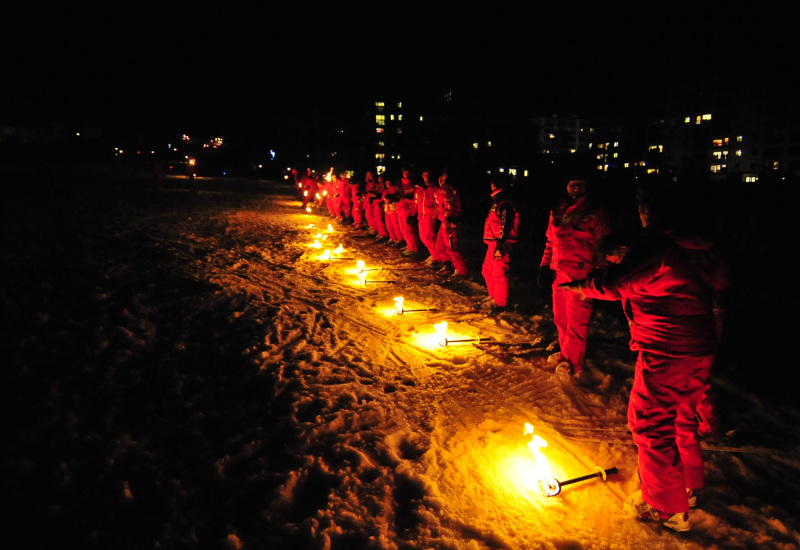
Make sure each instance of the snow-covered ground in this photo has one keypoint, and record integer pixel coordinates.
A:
(186, 372)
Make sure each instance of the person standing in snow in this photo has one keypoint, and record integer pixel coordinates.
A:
(575, 229)
(448, 209)
(407, 219)
(500, 231)
(428, 218)
(671, 284)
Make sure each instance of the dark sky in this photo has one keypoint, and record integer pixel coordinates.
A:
(221, 68)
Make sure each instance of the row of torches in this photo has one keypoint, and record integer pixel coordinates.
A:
(548, 485)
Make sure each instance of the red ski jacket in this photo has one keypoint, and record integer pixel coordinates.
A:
(573, 234)
(670, 286)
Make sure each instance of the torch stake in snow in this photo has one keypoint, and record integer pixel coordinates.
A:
(550, 486)
(400, 310)
(447, 341)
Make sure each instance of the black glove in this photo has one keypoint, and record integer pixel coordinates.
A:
(411, 220)
(545, 277)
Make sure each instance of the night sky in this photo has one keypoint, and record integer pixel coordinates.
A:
(245, 69)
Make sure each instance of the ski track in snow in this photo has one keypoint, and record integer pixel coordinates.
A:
(346, 431)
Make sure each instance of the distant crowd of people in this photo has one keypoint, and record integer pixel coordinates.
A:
(669, 278)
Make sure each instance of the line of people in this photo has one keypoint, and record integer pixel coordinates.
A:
(671, 284)
(424, 219)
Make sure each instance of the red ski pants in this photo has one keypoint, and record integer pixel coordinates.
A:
(665, 393)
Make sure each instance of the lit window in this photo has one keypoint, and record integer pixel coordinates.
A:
(718, 143)
(717, 155)
(420, 119)
(381, 144)
(687, 120)
(391, 117)
(616, 144)
(525, 173)
(488, 144)
(475, 145)
(380, 120)
(399, 104)
(512, 171)
(699, 119)
(399, 117)
(739, 153)
(706, 117)
(379, 104)
(776, 165)
(616, 155)
(626, 165)
(739, 139)
(379, 130)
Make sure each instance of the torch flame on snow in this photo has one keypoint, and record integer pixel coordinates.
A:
(360, 264)
(547, 483)
(330, 228)
(441, 333)
(325, 255)
(315, 244)
(362, 276)
(398, 305)
(339, 250)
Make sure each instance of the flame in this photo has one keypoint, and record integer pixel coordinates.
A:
(362, 275)
(330, 228)
(339, 250)
(441, 333)
(398, 305)
(310, 226)
(318, 236)
(315, 244)
(547, 483)
(325, 255)
(360, 265)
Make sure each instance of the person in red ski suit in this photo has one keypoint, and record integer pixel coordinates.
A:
(378, 209)
(309, 189)
(428, 217)
(500, 232)
(670, 284)
(407, 218)
(575, 229)
(369, 195)
(390, 198)
(448, 209)
(357, 191)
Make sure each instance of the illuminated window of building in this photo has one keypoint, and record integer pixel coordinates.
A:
(512, 171)
(600, 167)
(776, 165)
(379, 104)
(626, 165)
(391, 117)
(739, 153)
(717, 154)
(751, 179)
(659, 148)
(399, 130)
(420, 119)
(652, 170)
(616, 155)
(687, 120)
(380, 120)
(488, 144)
(601, 145)
(475, 145)
(716, 168)
(739, 139)
(718, 143)
(399, 104)
(600, 157)
(525, 173)
(399, 117)
(699, 119)
(552, 136)
(379, 130)
(380, 156)
(706, 117)
(616, 144)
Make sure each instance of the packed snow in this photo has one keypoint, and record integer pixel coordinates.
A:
(186, 372)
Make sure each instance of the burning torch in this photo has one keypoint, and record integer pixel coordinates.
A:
(398, 306)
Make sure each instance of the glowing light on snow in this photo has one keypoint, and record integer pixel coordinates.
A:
(330, 228)
(360, 265)
(398, 305)
(441, 333)
(339, 250)
(362, 276)
(542, 466)
(316, 244)
(325, 255)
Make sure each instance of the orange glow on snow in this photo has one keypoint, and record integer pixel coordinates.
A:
(398, 305)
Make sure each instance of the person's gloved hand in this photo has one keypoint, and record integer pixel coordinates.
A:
(501, 250)
(411, 220)
(545, 276)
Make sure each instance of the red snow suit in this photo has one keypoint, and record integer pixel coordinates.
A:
(500, 232)
(573, 233)
(668, 285)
